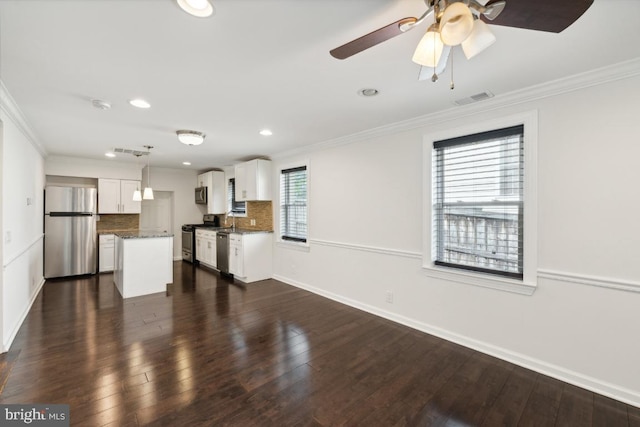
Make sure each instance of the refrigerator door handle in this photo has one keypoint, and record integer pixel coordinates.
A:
(70, 214)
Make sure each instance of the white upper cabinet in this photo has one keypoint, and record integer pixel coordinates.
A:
(253, 180)
(115, 196)
(216, 200)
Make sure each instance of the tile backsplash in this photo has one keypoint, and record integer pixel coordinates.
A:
(261, 212)
(118, 222)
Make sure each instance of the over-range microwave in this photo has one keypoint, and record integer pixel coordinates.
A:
(201, 195)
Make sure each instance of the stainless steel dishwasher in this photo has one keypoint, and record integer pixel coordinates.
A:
(222, 252)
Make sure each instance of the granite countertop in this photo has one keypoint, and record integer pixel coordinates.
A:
(137, 234)
(116, 231)
(243, 231)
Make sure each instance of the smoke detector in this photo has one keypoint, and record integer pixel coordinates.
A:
(100, 104)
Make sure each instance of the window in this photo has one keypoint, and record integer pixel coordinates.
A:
(478, 202)
(293, 204)
(236, 208)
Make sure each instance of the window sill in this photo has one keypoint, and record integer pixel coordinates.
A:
(479, 279)
(237, 215)
(297, 246)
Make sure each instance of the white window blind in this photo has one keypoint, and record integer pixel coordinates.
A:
(234, 206)
(293, 204)
(478, 202)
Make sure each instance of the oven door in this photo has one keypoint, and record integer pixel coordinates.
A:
(187, 246)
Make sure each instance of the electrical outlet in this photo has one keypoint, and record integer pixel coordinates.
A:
(253, 222)
(390, 297)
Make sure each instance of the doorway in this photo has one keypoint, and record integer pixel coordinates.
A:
(157, 214)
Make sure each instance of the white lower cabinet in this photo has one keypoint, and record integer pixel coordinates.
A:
(251, 256)
(236, 255)
(206, 247)
(106, 252)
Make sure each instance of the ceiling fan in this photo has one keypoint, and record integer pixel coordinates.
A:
(455, 22)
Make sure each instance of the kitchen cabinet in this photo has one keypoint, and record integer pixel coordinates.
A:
(250, 256)
(253, 180)
(116, 196)
(206, 252)
(106, 248)
(216, 200)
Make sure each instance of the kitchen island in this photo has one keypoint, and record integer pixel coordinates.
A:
(143, 262)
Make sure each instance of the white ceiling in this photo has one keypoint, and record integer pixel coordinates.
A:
(258, 64)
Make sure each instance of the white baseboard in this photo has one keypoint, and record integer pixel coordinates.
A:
(595, 385)
(6, 345)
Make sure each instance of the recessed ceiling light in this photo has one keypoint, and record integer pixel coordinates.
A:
(140, 103)
(186, 163)
(100, 104)
(368, 92)
(199, 8)
(109, 154)
(266, 132)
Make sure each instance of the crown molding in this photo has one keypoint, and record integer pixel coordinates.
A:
(610, 73)
(9, 106)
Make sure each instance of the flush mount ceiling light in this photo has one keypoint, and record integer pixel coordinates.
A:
(110, 154)
(190, 137)
(139, 103)
(186, 163)
(199, 8)
(455, 22)
(266, 132)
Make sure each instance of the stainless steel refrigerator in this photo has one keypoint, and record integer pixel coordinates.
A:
(69, 231)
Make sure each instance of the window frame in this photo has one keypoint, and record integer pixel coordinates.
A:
(293, 243)
(528, 283)
(231, 200)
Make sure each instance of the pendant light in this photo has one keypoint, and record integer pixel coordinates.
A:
(148, 191)
(137, 195)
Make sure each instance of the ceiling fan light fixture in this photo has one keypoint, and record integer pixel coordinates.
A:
(456, 24)
(429, 50)
(198, 8)
(494, 9)
(480, 38)
(190, 137)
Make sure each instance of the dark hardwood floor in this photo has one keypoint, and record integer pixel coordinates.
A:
(213, 353)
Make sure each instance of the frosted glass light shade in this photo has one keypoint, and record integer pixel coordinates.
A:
(199, 8)
(480, 38)
(456, 24)
(429, 50)
(148, 193)
(137, 196)
(190, 137)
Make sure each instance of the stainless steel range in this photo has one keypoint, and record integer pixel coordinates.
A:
(189, 236)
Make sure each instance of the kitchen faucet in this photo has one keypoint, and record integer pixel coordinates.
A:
(233, 219)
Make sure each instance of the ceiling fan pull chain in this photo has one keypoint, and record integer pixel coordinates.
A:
(452, 85)
(434, 78)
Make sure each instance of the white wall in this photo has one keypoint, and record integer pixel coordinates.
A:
(90, 168)
(582, 323)
(22, 207)
(181, 182)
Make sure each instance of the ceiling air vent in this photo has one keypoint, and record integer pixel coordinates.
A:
(131, 151)
(474, 98)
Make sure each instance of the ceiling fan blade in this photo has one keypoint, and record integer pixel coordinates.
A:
(542, 15)
(372, 39)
